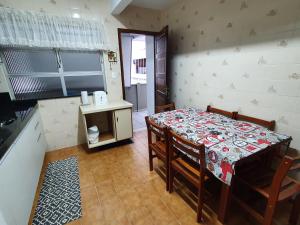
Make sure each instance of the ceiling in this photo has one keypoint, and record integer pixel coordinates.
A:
(153, 4)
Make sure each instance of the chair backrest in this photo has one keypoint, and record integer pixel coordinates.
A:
(164, 108)
(287, 164)
(152, 127)
(265, 123)
(220, 111)
(296, 165)
(180, 144)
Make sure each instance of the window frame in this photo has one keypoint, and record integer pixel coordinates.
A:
(59, 74)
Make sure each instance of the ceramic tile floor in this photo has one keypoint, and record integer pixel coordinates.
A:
(138, 120)
(118, 188)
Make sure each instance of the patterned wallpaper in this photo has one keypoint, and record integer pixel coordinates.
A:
(238, 55)
(63, 126)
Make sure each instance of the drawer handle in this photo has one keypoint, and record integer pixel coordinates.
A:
(39, 137)
(36, 125)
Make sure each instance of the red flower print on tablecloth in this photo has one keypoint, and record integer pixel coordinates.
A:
(226, 140)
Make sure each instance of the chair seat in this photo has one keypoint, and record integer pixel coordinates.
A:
(261, 178)
(159, 147)
(296, 167)
(187, 170)
(274, 185)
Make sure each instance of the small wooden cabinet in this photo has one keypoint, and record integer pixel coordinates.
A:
(114, 121)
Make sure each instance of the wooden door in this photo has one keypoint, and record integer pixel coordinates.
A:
(123, 123)
(161, 67)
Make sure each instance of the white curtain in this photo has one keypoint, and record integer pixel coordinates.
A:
(24, 28)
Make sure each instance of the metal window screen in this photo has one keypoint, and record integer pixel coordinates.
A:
(26, 87)
(25, 61)
(35, 74)
(81, 60)
(76, 84)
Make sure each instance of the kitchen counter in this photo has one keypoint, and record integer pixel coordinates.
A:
(23, 152)
(21, 114)
(86, 109)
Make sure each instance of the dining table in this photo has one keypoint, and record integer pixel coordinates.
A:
(227, 142)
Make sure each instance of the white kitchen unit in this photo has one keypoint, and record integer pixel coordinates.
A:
(20, 170)
(114, 121)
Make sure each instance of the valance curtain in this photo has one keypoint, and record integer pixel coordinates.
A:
(31, 29)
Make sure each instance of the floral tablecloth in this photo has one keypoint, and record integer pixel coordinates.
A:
(226, 140)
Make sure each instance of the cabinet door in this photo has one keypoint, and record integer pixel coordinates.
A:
(8, 187)
(123, 123)
(28, 163)
(39, 147)
(15, 172)
(20, 171)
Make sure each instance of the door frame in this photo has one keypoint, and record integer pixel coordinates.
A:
(131, 31)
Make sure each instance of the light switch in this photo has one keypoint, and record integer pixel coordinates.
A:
(114, 75)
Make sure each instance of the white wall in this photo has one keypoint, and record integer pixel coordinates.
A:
(138, 52)
(126, 55)
(2, 219)
(150, 74)
(238, 55)
(139, 47)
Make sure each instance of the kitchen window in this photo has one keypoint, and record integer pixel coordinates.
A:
(52, 73)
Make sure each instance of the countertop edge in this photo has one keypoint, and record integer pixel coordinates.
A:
(113, 105)
(19, 131)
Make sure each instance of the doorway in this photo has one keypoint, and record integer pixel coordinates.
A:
(143, 56)
(138, 74)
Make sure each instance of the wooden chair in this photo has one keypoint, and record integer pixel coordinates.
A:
(275, 186)
(159, 147)
(192, 171)
(164, 108)
(265, 123)
(220, 111)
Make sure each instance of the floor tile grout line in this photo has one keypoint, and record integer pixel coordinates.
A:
(137, 154)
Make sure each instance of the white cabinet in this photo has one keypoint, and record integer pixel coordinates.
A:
(8, 169)
(123, 123)
(114, 121)
(20, 171)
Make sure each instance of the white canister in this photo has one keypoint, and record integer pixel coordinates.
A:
(84, 98)
(100, 98)
(93, 134)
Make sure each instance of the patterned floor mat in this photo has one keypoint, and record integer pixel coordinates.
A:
(59, 200)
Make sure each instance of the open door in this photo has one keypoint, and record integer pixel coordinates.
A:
(161, 67)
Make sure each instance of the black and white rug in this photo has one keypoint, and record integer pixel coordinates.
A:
(59, 201)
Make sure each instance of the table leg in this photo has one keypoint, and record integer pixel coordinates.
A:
(224, 202)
